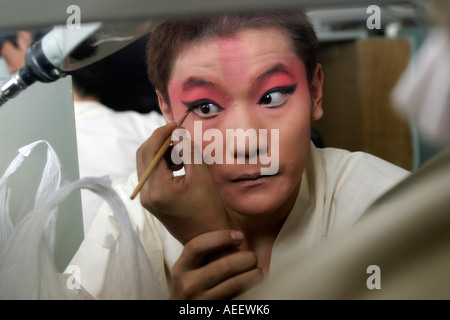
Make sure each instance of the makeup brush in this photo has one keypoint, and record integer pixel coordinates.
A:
(157, 157)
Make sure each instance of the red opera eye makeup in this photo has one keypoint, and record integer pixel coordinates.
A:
(280, 82)
(203, 108)
(277, 97)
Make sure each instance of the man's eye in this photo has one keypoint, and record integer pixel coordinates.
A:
(204, 109)
(276, 97)
(207, 110)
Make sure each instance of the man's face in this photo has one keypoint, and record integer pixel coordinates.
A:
(250, 81)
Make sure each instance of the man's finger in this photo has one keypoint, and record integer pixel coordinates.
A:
(151, 146)
(197, 248)
(234, 286)
(148, 170)
(227, 266)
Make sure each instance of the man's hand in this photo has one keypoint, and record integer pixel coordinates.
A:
(187, 205)
(197, 277)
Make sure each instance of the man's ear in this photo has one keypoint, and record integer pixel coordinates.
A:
(316, 93)
(165, 107)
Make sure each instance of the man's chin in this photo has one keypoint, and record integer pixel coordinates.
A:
(253, 206)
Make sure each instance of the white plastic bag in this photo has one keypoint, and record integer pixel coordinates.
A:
(50, 182)
(27, 266)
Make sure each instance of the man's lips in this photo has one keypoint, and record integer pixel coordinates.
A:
(247, 176)
(250, 178)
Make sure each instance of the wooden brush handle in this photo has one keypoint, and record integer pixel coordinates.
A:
(152, 165)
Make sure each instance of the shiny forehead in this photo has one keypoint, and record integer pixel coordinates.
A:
(239, 64)
(235, 53)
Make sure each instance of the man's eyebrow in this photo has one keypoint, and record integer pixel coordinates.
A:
(278, 68)
(194, 82)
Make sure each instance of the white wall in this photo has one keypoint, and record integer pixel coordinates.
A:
(3, 69)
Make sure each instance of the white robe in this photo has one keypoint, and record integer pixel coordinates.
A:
(337, 187)
(107, 142)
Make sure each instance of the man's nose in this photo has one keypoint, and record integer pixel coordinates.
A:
(243, 140)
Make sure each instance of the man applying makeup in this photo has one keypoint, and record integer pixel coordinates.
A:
(215, 230)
